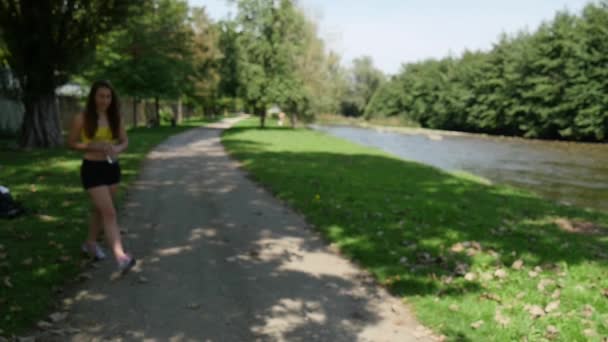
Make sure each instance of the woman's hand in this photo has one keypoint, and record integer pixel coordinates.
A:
(114, 151)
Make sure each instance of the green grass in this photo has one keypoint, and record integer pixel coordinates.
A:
(39, 252)
(400, 220)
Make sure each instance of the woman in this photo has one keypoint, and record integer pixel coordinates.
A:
(100, 134)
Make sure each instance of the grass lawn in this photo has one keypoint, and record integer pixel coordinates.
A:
(477, 262)
(40, 252)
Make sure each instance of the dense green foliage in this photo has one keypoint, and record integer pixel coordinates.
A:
(279, 60)
(363, 82)
(547, 84)
(151, 55)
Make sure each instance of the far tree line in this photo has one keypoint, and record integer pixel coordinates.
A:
(551, 84)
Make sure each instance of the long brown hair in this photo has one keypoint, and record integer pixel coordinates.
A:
(90, 114)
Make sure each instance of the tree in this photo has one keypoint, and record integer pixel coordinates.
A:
(204, 82)
(152, 55)
(364, 80)
(46, 42)
(254, 22)
(590, 86)
(554, 65)
(3, 52)
(322, 76)
(386, 100)
(268, 46)
(8, 85)
(272, 55)
(228, 87)
(335, 81)
(290, 42)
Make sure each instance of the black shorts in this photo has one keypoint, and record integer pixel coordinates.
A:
(99, 173)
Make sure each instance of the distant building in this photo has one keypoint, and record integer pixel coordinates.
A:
(72, 90)
(274, 110)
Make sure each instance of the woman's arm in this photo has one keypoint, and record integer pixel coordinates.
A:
(74, 142)
(123, 140)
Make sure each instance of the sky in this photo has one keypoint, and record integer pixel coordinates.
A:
(394, 32)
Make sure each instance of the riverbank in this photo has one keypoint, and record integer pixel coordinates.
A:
(572, 174)
(476, 261)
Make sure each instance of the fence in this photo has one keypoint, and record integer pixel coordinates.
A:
(11, 112)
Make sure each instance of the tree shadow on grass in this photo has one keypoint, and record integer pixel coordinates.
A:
(420, 231)
(383, 211)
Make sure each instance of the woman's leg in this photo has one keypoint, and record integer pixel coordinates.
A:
(95, 226)
(104, 205)
(95, 221)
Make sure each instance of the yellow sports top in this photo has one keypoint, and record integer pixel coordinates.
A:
(103, 134)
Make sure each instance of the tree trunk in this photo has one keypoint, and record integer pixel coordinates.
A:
(292, 106)
(134, 112)
(41, 126)
(292, 119)
(262, 113)
(156, 108)
(180, 114)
